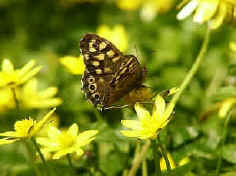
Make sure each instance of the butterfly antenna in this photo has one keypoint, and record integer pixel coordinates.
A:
(136, 50)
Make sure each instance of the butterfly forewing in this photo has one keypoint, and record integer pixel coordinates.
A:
(109, 75)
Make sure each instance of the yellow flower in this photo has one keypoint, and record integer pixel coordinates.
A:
(6, 99)
(182, 162)
(225, 106)
(142, 94)
(128, 5)
(117, 35)
(148, 126)
(30, 97)
(65, 142)
(75, 65)
(163, 162)
(54, 121)
(150, 8)
(25, 129)
(214, 11)
(9, 77)
(232, 46)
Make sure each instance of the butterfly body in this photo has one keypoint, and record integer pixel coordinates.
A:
(109, 75)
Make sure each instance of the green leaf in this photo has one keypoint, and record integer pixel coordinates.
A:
(229, 153)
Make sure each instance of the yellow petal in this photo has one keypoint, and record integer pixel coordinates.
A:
(42, 122)
(53, 132)
(73, 130)
(117, 35)
(184, 161)
(121, 38)
(188, 9)
(233, 2)
(44, 141)
(219, 18)
(133, 124)
(9, 134)
(7, 66)
(205, 11)
(130, 133)
(30, 74)
(75, 65)
(62, 153)
(163, 163)
(159, 108)
(232, 46)
(50, 102)
(27, 68)
(79, 152)
(31, 86)
(49, 92)
(166, 117)
(86, 137)
(7, 141)
(128, 4)
(142, 113)
(226, 106)
(24, 127)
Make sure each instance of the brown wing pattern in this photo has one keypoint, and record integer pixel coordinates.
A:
(109, 75)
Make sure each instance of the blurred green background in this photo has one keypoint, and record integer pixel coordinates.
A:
(48, 30)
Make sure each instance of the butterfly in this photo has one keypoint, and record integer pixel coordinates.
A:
(109, 74)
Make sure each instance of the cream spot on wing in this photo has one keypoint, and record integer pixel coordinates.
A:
(100, 56)
(131, 65)
(107, 70)
(102, 45)
(123, 71)
(90, 101)
(92, 88)
(118, 77)
(115, 59)
(110, 53)
(130, 60)
(123, 64)
(95, 63)
(98, 71)
(96, 96)
(86, 56)
(101, 80)
(91, 79)
(91, 48)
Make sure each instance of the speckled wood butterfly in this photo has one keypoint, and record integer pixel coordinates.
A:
(109, 74)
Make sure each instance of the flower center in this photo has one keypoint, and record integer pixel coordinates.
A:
(66, 140)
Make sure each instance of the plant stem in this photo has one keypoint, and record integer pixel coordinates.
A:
(191, 73)
(15, 98)
(139, 158)
(39, 151)
(225, 130)
(68, 156)
(69, 161)
(98, 116)
(31, 162)
(157, 158)
(164, 154)
(41, 156)
(175, 98)
(144, 168)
